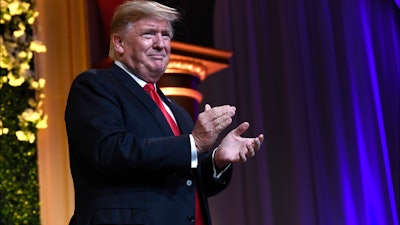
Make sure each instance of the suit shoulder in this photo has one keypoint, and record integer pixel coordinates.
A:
(94, 74)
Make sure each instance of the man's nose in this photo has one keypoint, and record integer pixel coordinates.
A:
(158, 41)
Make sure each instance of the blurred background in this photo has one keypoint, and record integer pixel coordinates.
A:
(321, 80)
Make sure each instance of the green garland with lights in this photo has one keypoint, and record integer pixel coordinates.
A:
(20, 114)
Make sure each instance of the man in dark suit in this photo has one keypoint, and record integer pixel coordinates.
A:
(130, 162)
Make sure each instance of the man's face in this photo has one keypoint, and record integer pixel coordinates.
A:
(146, 47)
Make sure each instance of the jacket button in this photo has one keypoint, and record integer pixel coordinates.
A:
(189, 183)
(191, 218)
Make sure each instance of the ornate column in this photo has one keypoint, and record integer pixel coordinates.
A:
(189, 65)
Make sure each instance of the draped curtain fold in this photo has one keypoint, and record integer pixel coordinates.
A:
(62, 27)
(321, 79)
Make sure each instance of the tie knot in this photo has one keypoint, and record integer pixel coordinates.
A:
(149, 87)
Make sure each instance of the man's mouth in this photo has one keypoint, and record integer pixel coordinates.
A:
(157, 57)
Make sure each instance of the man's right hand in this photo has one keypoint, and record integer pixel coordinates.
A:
(210, 124)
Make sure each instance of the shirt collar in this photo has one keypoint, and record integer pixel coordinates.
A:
(137, 79)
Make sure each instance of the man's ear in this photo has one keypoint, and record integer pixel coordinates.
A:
(118, 44)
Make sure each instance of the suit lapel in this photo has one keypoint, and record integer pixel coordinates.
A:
(128, 82)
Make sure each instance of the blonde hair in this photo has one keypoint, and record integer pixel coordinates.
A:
(129, 12)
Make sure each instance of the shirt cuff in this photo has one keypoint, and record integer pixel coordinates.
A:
(215, 175)
(194, 161)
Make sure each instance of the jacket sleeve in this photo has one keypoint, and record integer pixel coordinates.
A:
(210, 185)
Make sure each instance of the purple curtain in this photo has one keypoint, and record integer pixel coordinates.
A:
(321, 79)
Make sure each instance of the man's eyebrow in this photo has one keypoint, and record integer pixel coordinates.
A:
(155, 28)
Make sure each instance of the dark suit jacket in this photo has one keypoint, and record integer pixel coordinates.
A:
(126, 164)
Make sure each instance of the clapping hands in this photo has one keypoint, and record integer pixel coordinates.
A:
(233, 148)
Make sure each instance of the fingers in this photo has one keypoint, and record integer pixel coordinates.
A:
(251, 151)
(242, 157)
(256, 143)
(220, 116)
(255, 146)
(251, 148)
(222, 110)
(222, 123)
(239, 130)
(260, 138)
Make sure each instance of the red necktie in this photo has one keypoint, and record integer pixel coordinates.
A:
(149, 88)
